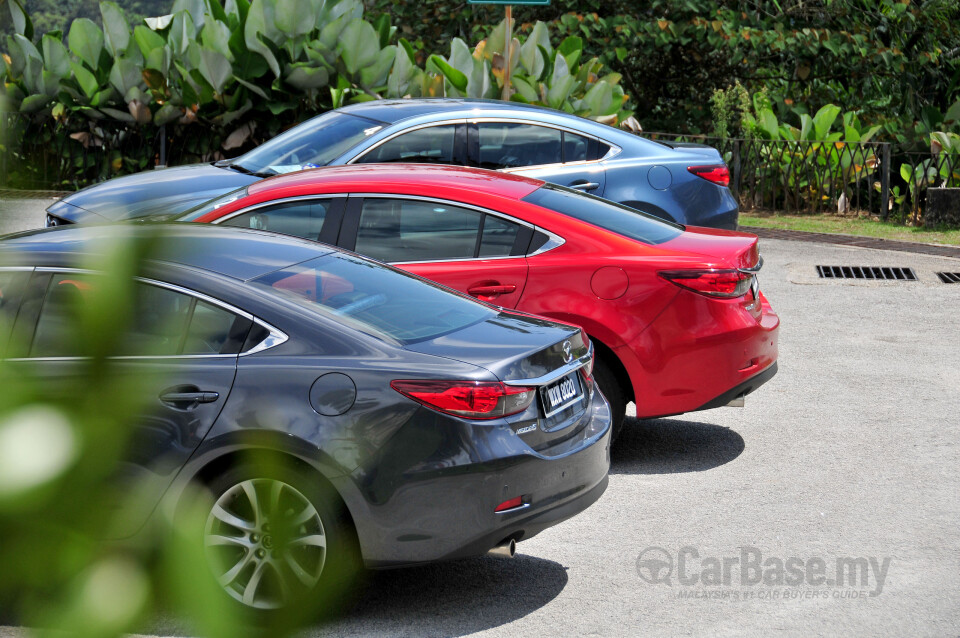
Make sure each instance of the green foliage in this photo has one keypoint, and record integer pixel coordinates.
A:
(57, 15)
(539, 74)
(728, 108)
(891, 60)
(63, 451)
(227, 77)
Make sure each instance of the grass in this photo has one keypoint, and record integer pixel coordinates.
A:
(863, 226)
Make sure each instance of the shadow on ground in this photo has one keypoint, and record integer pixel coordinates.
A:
(453, 599)
(669, 446)
(446, 599)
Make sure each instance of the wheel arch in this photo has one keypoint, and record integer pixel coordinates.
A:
(604, 342)
(606, 354)
(206, 467)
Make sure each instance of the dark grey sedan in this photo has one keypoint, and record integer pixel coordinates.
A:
(683, 183)
(405, 423)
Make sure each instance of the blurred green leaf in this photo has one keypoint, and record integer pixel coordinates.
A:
(824, 119)
(258, 25)
(86, 80)
(21, 20)
(306, 78)
(116, 29)
(357, 45)
(216, 68)
(86, 41)
(455, 77)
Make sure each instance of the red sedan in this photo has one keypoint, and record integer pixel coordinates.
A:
(676, 315)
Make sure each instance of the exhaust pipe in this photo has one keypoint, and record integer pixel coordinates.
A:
(504, 550)
(736, 403)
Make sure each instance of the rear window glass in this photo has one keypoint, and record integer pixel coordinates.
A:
(611, 216)
(374, 299)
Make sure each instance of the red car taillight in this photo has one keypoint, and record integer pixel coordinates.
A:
(716, 173)
(726, 284)
(587, 370)
(468, 399)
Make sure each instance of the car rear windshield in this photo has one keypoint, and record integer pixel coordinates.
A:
(316, 142)
(611, 216)
(375, 299)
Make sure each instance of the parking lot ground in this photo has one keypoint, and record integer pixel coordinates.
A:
(22, 213)
(850, 452)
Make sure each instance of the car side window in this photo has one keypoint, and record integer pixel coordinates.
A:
(303, 218)
(576, 148)
(513, 145)
(409, 230)
(210, 329)
(164, 322)
(432, 145)
(12, 284)
(498, 237)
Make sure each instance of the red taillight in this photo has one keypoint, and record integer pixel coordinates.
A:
(513, 503)
(587, 370)
(716, 173)
(727, 284)
(469, 399)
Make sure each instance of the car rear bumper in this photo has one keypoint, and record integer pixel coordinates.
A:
(700, 350)
(446, 510)
(742, 389)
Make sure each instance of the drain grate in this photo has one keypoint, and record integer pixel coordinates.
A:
(949, 277)
(888, 273)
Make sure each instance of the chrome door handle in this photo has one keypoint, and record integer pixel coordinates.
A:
(585, 186)
(491, 291)
(186, 398)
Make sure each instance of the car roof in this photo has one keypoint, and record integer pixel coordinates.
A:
(358, 178)
(239, 253)
(397, 110)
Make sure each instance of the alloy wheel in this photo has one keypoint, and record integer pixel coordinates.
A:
(265, 543)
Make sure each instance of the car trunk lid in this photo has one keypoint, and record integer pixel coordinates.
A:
(553, 359)
(720, 248)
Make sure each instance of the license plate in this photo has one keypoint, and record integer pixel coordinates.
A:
(561, 394)
(755, 288)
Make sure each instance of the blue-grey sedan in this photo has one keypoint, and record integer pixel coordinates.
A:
(686, 183)
(333, 409)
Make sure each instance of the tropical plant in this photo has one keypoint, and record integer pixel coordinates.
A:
(819, 159)
(539, 74)
(218, 78)
(892, 60)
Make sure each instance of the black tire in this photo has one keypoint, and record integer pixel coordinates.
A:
(609, 384)
(301, 543)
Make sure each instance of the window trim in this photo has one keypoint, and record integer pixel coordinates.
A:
(555, 240)
(416, 127)
(276, 336)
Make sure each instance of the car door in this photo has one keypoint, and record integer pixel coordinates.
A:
(180, 352)
(551, 154)
(471, 250)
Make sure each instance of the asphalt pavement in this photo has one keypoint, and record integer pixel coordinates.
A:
(740, 516)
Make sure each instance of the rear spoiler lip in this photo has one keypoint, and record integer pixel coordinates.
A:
(753, 269)
(683, 144)
(559, 373)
